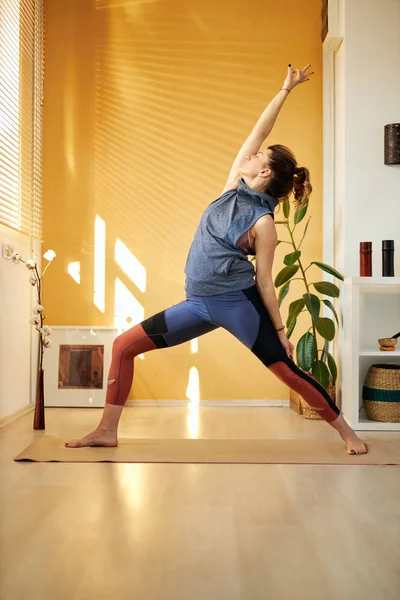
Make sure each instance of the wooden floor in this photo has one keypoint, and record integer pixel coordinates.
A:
(196, 532)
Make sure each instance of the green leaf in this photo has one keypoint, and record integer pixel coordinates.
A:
(306, 351)
(313, 306)
(286, 274)
(286, 208)
(332, 367)
(291, 258)
(295, 309)
(304, 232)
(326, 327)
(324, 351)
(328, 269)
(291, 328)
(300, 212)
(320, 373)
(283, 292)
(327, 288)
(329, 304)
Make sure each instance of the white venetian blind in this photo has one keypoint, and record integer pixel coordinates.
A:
(21, 86)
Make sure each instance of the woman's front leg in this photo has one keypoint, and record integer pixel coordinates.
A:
(171, 327)
(126, 347)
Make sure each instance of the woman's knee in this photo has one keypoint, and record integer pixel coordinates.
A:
(131, 343)
(118, 345)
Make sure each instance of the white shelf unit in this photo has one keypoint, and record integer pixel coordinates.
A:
(371, 310)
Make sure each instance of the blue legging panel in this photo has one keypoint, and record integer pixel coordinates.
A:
(243, 314)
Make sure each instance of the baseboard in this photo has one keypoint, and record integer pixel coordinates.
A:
(211, 403)
(16, 415)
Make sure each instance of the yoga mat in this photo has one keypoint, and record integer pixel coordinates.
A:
(49, 449)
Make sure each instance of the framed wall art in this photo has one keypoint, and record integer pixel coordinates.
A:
(76, 366)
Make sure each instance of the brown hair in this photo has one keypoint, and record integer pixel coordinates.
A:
(287, 177)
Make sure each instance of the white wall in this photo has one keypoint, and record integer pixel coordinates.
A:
(367, 97)
(16, 300)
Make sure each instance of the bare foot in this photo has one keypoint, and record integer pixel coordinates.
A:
(354, 444)
(96, 438)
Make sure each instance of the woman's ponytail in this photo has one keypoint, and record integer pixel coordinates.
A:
(301, 184)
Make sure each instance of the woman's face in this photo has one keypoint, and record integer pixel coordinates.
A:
(256, 164)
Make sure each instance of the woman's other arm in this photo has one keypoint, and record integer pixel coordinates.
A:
(265, 243)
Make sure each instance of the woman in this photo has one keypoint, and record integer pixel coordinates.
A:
(220, 286)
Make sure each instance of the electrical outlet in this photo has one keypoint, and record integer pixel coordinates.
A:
(7, 250)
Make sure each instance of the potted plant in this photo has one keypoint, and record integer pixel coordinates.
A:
(312, 353)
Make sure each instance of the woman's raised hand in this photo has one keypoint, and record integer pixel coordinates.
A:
(296, 76)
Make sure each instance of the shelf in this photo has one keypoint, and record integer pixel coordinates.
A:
(378, 353)
(365, 424)
(371, 307)
(372, 280)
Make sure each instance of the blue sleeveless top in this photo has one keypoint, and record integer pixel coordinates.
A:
(215, 264)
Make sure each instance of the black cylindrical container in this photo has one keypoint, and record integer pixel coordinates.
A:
(392, 144)
(388, 258)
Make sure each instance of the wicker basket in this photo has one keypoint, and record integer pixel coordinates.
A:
(381, 393)
(307, 411)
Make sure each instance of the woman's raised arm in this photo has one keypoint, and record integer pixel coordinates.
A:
(265, 123)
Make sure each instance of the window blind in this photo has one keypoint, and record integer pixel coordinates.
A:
(21, 99)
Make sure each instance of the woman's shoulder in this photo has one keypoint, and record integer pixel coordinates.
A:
(264, 225)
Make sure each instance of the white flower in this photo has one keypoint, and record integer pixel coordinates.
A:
(15, 258)
(46, 331)
(37, 309)
(30, 264)
(46, 342)
(35, 320)
(49, 255)
(32, 280)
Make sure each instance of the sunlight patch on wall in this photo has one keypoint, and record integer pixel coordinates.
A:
(74, 269)
(126, 306)
(194, 346)
(130, 265)
(193, 394)
(193, 388)
(99, 263)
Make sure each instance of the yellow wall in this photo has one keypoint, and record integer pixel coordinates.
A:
(146, 104)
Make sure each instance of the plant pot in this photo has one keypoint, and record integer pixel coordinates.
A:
(38, 419)
(304, 408)
(295, 403)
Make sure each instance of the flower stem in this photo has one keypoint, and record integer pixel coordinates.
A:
(45, 269)
(39, 293)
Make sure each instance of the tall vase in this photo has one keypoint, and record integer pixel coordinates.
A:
(38, 419)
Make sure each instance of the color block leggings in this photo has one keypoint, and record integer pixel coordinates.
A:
(241, 313)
